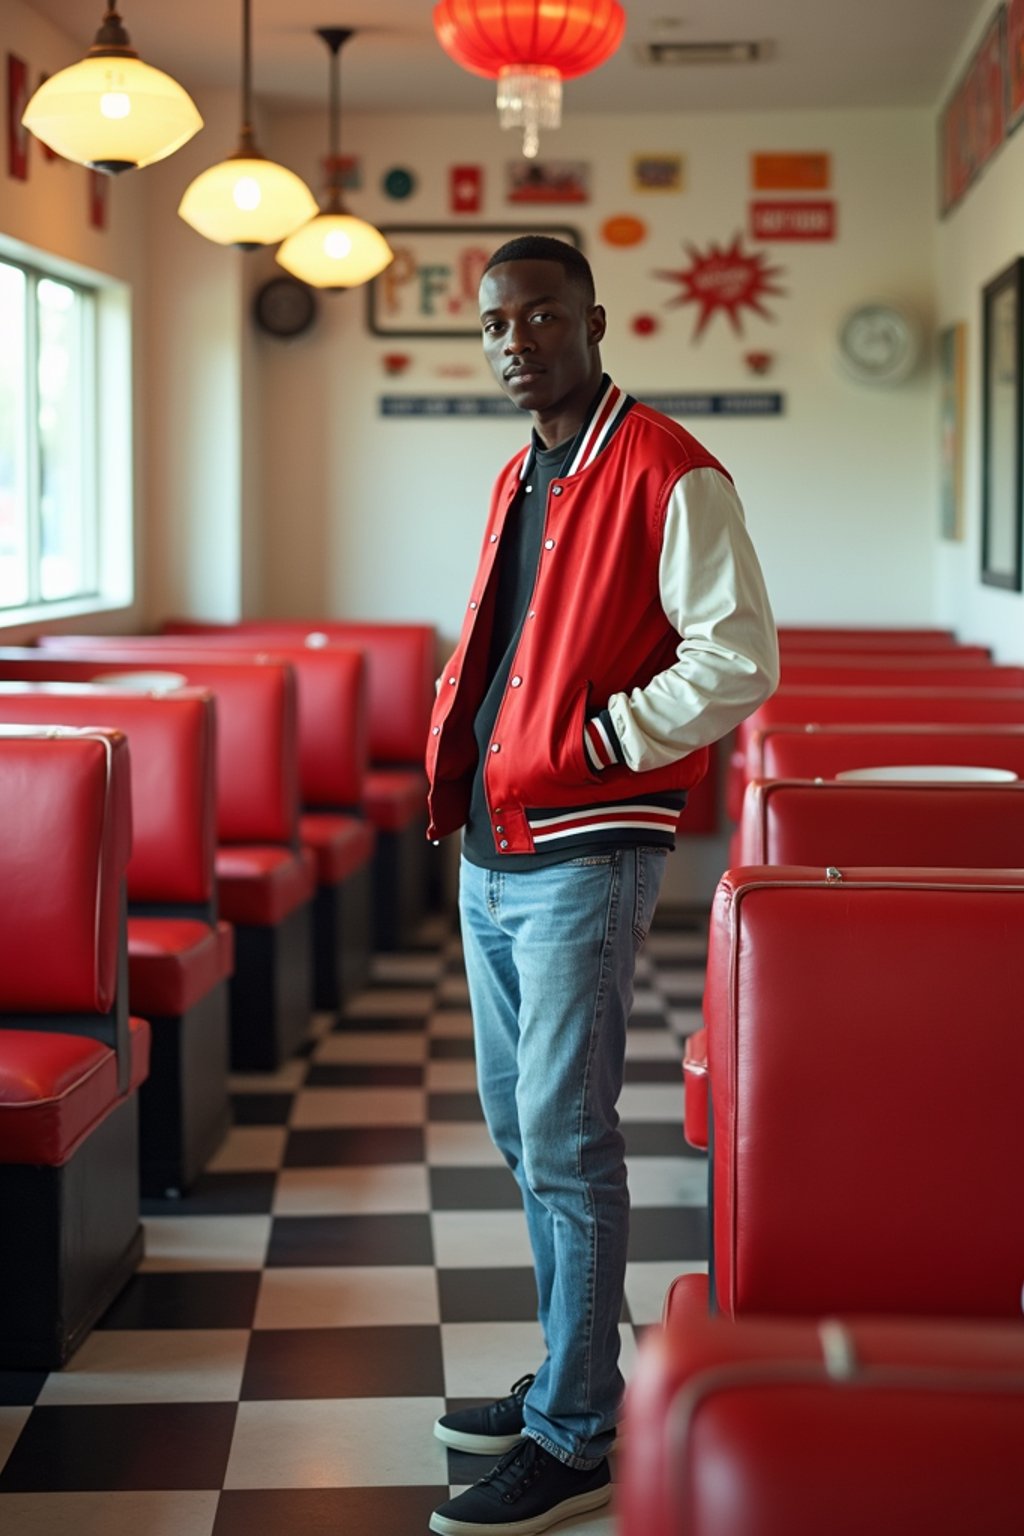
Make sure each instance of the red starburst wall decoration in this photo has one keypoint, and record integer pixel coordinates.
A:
(727, 280)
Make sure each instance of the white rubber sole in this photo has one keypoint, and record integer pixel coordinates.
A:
(478, 1445)
(579, 1505)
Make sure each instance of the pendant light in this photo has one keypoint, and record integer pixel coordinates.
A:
(529, 47)
(110, 111)
(335, 250)
(247, 200)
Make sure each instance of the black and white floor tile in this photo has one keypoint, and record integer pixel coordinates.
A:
(353, 1262)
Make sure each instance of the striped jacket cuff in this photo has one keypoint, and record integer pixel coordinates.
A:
(601, 743)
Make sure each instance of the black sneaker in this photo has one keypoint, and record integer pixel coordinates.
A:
(490, 1430)
(527, 1492)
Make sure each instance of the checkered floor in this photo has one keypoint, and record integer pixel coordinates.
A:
(354, 1261)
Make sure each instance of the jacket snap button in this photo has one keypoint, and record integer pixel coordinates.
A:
(532, 614)
(499, 829)
(451, 681)
(549, 543)
(436, 731)
(495, 747)
(503, 843)
(494, 538)
(472, 605)
(556, 490)
(517, 682)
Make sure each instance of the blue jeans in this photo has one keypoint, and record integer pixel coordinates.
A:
(550, 955)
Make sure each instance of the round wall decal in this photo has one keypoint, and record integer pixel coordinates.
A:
(623, 229)
(643, 325)
(399, 182)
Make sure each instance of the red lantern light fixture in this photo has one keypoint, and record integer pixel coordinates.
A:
(529, 47)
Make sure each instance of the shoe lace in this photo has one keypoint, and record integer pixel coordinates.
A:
(522, 1386)
(517, 1470)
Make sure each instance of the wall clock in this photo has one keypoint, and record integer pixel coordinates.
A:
(284, 307)
(879, 343)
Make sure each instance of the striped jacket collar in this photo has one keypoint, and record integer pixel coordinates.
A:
(608, 410)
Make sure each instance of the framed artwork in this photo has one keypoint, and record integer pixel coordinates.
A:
(17, 135)
(974, 123)
(1002, 464)
(1015, 63)
(430, 289)
(952, 350)
(547, 181)
(658, 173)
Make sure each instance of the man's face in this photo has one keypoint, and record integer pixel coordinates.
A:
(540, 335)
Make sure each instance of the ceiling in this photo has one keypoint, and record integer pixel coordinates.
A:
(817, 53)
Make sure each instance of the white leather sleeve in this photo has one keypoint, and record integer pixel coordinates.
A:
(713, 594)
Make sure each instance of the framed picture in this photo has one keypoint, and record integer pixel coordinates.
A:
(952, 354)
(1002, 465)
(973, 123)
(1015, 62)
(430, 289)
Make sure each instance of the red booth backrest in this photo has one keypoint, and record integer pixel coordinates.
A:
(933, 659)
(802, 752)
(257, 741)
(979, 826)
(866, 1054)
(402, 666)
(331, 684)
(864, 705)
(173, 759)
(843, 637)
(65, 841)
(778, 1428)
(971, 675)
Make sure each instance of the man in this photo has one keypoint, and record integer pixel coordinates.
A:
(617, 625)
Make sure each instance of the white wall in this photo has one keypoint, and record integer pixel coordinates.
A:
(982, 236)
(376, 517)
(49, 213)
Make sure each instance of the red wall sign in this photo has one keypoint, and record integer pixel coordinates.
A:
(793, 220)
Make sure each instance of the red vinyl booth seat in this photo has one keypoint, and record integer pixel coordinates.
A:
(395, 798)
(257, 741)
(863, 706)
(175, 961)
(978, 826)
(55, 886)
(836, 1428)
(401, 660)
(261, 886)
(865, 1055)
(341, 845)
(928, 671)
(822, 751)
(71, 1057)
(173, 740)
(55, 1089)
(865, 637)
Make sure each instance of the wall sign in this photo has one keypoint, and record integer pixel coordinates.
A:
(799, 172)
(732, 403)
(793, 220)
(465, 188)
(726, 279)
(430, 289)
(973, 122)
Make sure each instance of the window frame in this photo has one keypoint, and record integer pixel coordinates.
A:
(106, 424)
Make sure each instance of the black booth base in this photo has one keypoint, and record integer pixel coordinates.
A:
(184, 1104)
(271, 992)
(70, 1240)
(342, 918)
(399, 885)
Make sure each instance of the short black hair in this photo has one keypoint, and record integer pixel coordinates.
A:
(547, 248)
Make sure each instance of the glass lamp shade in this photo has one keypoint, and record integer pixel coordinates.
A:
(335, 250)
(113, 113)
(247, 201)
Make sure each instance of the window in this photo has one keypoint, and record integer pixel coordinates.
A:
(63, 347)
